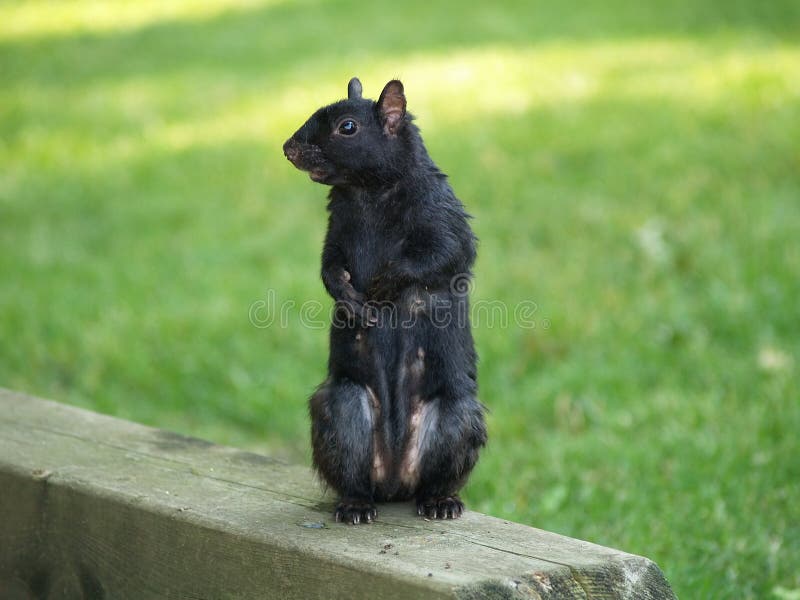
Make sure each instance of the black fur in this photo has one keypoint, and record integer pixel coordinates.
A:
(397, 417)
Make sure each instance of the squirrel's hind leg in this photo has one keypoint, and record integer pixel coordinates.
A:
(447, 455)
(342, 415)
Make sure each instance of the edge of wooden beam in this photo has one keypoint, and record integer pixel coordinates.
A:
(98, 507)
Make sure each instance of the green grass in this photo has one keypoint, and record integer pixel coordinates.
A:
(634, 170)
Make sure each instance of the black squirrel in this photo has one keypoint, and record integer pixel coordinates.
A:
(397, 417)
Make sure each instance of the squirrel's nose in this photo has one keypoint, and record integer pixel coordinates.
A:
(291, 150)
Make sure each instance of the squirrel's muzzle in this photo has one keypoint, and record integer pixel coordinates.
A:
(291, 149)
(308, 157)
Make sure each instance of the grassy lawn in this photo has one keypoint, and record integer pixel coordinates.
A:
(633, 170)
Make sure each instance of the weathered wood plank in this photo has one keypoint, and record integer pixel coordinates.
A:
(97, 507)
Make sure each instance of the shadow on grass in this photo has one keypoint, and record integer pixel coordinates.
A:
(175, 233)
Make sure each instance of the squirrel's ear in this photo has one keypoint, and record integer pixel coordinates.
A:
(392, 105)
(354, 89)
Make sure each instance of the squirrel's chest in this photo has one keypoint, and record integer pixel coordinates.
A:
(369, 242)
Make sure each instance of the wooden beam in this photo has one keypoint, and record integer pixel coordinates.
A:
(97, 507)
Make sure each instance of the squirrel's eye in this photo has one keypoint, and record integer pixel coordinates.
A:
(348, 127)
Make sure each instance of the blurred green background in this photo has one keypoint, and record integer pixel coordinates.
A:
(633, 170)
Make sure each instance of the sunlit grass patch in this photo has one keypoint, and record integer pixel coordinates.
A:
(35, 18)
(135, 116)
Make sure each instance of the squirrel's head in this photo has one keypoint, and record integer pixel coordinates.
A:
(354, 141)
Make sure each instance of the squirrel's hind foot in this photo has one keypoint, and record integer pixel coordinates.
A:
(443, 507)
(354, 512)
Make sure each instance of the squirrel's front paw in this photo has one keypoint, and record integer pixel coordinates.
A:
(352, 306)
(355, 311)
(353, 512)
